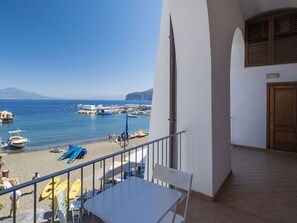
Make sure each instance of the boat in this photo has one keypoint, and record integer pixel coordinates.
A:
(132, 116)
(16, 141)
(6, 116)
(141, 133)
(3, 145)
(68, 153)
(48, 188)
(76, 152)
(74, 190)
(63, 186)
(87, 110)
(135, 113)
(56, 150)
(132, 135)
(104, 112)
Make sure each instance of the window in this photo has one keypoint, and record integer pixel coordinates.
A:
(271, 39)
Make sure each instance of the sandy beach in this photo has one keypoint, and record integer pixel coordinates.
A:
(23, 165)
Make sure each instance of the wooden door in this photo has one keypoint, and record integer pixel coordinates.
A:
(281, 116)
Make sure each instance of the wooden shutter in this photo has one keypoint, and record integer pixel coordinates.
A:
(285, 38)
(257, 43)
(271, 39)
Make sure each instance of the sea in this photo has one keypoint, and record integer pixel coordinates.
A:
(54, 123)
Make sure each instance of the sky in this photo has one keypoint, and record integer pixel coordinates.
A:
(96, 49)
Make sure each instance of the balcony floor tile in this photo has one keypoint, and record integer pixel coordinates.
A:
(262, 188)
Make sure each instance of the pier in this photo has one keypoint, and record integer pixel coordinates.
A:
(133, 109)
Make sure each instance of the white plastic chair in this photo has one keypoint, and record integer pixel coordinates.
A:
(61, 217)
(75, 215)
(181, 181)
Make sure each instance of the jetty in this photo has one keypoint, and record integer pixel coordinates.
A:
(134, 109)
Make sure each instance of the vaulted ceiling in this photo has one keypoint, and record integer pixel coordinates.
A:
(251, 8)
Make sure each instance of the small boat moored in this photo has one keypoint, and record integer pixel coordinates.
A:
(3, 145)
(6, 116)
(104, 112)
(16, 141)
(132, 116)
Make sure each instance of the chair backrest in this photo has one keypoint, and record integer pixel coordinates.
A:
(75, 215)
(181, 180)
(61, 217)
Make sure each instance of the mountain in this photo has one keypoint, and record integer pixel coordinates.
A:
(13, 93)
(140, 96)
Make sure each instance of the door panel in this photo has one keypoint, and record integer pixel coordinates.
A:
(282, 99)
(285, 108)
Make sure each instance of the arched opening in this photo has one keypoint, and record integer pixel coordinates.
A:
(236, 65)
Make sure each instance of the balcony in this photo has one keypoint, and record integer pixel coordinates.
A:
(95, 176)
(262, 187)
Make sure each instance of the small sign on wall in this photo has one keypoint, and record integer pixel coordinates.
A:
(272, 75)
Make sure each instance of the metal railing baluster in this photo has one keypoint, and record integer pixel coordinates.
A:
(112, 170)
(53, 200)
(148, 164)
(129, 163)
(93, 184)
(68, 190)
(158, 151)
(179, 152)
(81, 191)
(103, 175)
(136, 160)
(121, 166)
(35, 202)
(14, 206)
(166, 152)
(142, 168)
(153, 157)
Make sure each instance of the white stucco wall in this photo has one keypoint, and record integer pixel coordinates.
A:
(248, 96)
(191, 30)
(192, 41)
(204, 31)
(203, 50)
(224, 16)
(159, 126)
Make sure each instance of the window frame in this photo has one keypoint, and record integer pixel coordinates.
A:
(271, 18)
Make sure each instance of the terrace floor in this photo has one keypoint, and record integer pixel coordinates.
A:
(262, 188)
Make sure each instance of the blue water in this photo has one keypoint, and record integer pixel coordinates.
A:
(50, 123)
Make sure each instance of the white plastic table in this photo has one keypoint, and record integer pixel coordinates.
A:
(133, 200)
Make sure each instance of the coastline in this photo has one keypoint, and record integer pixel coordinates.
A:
(23, 165)
(96, 149)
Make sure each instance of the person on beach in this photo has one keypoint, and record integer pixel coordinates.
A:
(109, 137)
(35, 176)
(123, 136)
(114, 138)
(15, 204)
